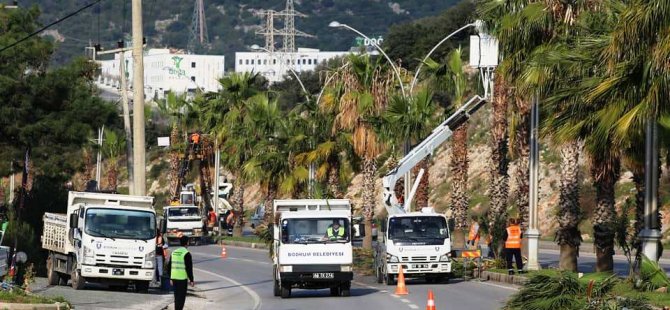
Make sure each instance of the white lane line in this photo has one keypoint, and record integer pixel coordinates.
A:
(396, 296)
(405, 300)
(257, 299)
(500, 286)
(232, 258)
(413, 306)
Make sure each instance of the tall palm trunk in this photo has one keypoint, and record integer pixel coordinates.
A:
(334, 178)
(422, 192)
(173, 177)
(568, 235)
(499, 186)
(638, 180)
(369, 170)
(238, 206)
(459, 177)
(605, 171)
(271, 196)
(522, 174)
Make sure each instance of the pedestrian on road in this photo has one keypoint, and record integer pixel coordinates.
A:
(473, 235)
(181, 272)
(512, 237)
(161, 248)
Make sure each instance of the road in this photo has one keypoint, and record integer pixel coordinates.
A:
(243, 280)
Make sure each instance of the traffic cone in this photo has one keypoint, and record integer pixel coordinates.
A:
(223, 251)
(401, 289)
(431, 301)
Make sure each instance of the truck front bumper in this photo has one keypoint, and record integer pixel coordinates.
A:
(120, 272)
(316, 277)
(419, 267)
(174, 234)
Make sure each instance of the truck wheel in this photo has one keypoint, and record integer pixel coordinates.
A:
(78, 282)
(142, 286)
(334, 291)
(345, 289)
(277, 289)
(379, 275)
(285, 291)
(63, 280)
(53, 278)
(390, 279)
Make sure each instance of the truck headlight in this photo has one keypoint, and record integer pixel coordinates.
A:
(88, 252)
(345, 268)
(197, 231)
(287, 268)
(149, 259)
(444, 258)
(392, 258)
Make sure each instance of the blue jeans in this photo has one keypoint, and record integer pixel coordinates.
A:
(159, 267)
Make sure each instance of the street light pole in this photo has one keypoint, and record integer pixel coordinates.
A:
(533, 234)
(139, 160)
(651, 234)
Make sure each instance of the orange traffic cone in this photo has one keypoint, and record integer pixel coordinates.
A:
(401, 289)
(223, 251)
(431, 301)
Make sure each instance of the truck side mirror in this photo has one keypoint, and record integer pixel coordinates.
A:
(452, 224)
(74, 220)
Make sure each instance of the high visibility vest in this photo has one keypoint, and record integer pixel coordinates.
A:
(340, 233)
(474, 232)
(178, 270)
(513, 237)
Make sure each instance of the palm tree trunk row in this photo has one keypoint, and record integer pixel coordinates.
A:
(369, 170)
(605, 172)
(459, 175)
(499, 186)
(522, 149)
(569, 214)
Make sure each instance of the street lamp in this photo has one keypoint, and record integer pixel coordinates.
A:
(478, 24)
(335, 24)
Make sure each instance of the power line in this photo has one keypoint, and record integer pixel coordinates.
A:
(49, 25)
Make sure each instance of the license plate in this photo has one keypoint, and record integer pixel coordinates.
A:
(323, 275)
(419, 265)
(117, 272)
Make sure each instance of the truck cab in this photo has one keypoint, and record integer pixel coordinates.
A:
(310, 251)
(183, 220)
(417, 241)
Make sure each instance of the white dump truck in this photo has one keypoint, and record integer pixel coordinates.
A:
(305, 255)
(103, 238)
(183, 220)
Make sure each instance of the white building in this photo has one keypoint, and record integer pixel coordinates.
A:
(168, 70)
(274, 66)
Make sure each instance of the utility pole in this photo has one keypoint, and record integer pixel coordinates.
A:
(651, 233)
(533, 234)
(126, 119)
(139, 159)
(98, 165)
(11, 183)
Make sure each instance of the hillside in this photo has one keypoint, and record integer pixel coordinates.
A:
(231, 23)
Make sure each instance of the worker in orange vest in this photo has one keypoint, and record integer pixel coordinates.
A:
(473, 235)
(512, 237)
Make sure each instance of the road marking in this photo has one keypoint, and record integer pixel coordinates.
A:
(257, 299)
(232, 258)
(396, 296)
(413, 306)
(500, 286)
(405, 300)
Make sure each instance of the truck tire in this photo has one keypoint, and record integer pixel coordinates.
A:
(285, 291)
(334, 291)
(390, 279)
(142, 286)
(379, 275)
(53, 278)
(78, 282)
(277, 289)
(63, 280)
(345, 289)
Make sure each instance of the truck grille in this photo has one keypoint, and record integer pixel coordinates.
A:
(419, 258)
(119, 260)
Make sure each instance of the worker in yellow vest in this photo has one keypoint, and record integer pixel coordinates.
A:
(512, 237)
(181, 272)
(335, 231)
(473, 235)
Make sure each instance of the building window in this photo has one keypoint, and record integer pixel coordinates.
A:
(193, 79)
(246, 61)
(265, 61)
(274, 61)
(252, 61)
(309, 62)
(315, 61)
(240, 61)
(193, 64)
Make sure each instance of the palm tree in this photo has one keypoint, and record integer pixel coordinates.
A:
(175, 108)
(365, 87)
(412, 119)
(113, 146)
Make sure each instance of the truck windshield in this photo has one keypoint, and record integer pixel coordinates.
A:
(184, 212)
(421, 229)
(123, 224)
(315, 230)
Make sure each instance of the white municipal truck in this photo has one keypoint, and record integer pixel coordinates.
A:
(183, 220)
(104, 238)
(418, 241)
(304, 255)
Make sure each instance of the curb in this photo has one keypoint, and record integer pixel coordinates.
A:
(502, 278)
(56, 306)
(244, 244)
